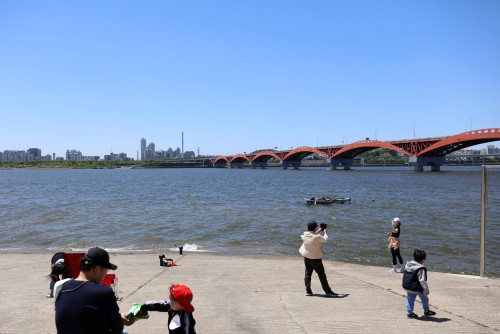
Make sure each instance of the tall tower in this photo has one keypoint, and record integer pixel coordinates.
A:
(143, 148)
(182, 152)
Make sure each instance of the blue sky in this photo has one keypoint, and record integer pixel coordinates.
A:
(237, 76)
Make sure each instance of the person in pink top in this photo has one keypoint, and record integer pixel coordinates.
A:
(311, 251)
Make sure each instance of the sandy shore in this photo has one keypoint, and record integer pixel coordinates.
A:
(260, 294)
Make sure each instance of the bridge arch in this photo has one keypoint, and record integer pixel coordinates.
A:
(220, 161)
(239, 158)
(457, 142)
(301, 152)
(264, 156)
(354, 149)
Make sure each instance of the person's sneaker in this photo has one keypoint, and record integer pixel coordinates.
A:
(331, 293)
(309, 293)
(429, 312)
(412, 315)
(50, 295)
(393, 270)
(402, 270)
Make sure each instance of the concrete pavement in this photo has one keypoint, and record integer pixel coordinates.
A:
(260, 294)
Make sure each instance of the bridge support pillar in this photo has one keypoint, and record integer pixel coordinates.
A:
(346, 163)
(294, 164)
(261, 164)
(236, 165)
(419, 163)
(418, 168)
(219, 165)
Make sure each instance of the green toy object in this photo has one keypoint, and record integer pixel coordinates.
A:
(135, 312)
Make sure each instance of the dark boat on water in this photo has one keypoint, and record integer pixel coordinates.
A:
(327, 200)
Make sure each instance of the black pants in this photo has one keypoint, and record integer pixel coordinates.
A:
(317, 266)
(395, 252)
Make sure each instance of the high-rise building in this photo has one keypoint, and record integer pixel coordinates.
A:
(143, 149)
(111, 157)
(73, 155)
(177, 153)
(11, 155)
(34, 154)
(491, 149)
(149, 153)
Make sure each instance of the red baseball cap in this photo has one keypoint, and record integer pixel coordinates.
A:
(184, 296)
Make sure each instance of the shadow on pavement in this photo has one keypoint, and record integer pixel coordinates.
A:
(334, 296)
(433, 319)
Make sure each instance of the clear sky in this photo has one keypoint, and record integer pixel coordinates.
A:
(236, 76)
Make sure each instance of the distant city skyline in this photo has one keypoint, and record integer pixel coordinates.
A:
(98, 76)
(36, 153)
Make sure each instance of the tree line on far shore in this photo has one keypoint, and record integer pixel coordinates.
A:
(81, 164)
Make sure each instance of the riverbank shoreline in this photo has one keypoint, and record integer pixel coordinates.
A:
(444, 168)
(213, 252)
(260, 294)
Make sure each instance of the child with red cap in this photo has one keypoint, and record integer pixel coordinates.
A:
(179, 308)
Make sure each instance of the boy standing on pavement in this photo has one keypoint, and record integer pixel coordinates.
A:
(415, 283)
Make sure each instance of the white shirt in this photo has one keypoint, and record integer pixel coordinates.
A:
(311, 246)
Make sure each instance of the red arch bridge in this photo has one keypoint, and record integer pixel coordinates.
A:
(420, 152)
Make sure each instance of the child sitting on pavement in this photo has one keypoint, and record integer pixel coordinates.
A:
(415, 283)
(179, 308)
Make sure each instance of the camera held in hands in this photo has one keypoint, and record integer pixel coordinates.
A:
(323, 226)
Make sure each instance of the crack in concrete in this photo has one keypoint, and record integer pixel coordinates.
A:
(289, 315)
(148, 281)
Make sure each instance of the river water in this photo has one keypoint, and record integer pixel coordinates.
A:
(252, 211)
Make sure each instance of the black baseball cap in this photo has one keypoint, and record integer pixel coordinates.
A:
(98, 256)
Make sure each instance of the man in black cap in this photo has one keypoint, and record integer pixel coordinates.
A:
(311, 251)
(84, 305)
